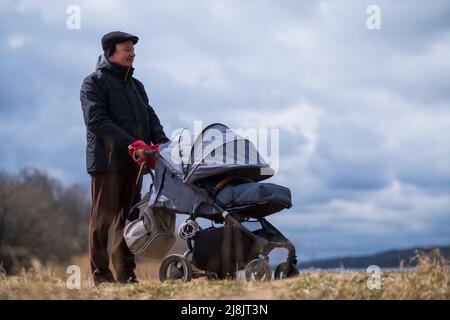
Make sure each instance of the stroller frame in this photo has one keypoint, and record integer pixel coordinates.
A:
(180, 268)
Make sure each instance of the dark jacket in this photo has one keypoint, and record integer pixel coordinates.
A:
(116, 113)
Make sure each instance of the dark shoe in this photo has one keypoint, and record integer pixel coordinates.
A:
(104, 282)
(132, 280)
(127, 277)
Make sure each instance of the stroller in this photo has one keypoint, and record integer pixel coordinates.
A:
(215, 176)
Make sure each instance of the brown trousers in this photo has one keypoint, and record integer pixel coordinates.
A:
(111, 194)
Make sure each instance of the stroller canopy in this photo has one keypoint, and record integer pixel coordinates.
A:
(216, 150)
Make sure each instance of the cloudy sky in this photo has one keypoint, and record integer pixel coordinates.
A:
(364, 115)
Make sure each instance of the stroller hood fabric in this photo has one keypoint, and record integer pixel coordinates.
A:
(216, 150)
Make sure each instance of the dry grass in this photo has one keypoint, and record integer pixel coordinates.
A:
(430, 280)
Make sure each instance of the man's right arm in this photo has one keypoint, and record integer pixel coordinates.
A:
(94, 104)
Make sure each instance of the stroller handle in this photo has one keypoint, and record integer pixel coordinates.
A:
(155, 154)
(152, 153)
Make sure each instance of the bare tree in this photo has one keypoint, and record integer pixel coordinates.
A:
(41, 217)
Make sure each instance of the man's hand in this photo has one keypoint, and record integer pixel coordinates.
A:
(139, 155)
(137, 149)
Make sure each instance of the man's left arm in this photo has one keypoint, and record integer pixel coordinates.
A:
(156, 129)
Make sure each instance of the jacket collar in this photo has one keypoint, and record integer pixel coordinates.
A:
(123, 72)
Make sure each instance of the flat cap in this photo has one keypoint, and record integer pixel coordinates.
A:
(110, 39)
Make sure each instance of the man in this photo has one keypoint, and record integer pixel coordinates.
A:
(117, 115)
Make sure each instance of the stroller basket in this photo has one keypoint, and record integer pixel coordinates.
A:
(222, 250)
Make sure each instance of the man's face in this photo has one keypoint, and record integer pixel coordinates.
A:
(124, 54)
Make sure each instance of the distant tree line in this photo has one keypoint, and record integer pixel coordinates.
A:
(41, 219)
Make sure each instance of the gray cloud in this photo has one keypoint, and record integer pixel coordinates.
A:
(363, 115)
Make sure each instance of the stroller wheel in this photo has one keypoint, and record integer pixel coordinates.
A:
(175, 267)
(283, 271)
(258, 270)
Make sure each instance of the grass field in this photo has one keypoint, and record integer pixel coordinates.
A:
(430, 280)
